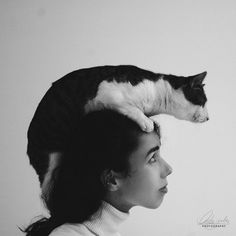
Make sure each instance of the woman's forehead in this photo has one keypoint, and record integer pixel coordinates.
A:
(146, 141)
(157, 129)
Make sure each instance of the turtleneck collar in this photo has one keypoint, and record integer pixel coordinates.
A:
(107, 220)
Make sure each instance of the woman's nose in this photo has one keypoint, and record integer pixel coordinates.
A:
(167, 169)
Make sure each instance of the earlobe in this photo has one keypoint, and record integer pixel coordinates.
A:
(110, 180)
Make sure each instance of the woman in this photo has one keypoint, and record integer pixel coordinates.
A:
(109, 167)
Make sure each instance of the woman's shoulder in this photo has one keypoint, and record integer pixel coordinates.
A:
(71, 230)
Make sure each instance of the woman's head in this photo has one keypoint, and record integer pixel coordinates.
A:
(148, 174)
(110, 158)
(101, 142)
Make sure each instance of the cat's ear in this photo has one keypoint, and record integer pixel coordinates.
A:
(197, 79)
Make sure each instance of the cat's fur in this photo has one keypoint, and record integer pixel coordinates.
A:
(139, 93)
(136, 93)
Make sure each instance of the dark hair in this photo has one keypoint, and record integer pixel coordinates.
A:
(102, 141)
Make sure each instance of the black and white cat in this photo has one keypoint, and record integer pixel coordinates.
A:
(140, 94)
(137, 93)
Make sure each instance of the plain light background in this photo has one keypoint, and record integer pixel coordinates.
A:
(40, 41)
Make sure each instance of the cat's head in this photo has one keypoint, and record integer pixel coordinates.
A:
(188, 97)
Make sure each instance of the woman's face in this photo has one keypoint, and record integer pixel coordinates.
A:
(148, 174)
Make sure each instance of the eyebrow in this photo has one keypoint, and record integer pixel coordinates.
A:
(152, 150)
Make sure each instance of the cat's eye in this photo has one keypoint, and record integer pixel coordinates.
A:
(198, 86)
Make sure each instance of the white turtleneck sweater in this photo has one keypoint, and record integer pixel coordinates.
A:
(106, 224)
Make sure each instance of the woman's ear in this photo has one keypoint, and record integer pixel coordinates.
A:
(111, 180)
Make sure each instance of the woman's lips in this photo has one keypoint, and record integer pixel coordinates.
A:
(164, 189)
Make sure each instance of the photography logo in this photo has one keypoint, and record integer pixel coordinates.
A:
(209, 221)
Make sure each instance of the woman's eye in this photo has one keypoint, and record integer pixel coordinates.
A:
(154, 158)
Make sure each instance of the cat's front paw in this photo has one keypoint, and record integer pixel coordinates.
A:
(155, 120)
(147, 125)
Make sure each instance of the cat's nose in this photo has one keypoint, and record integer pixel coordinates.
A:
(207, 118)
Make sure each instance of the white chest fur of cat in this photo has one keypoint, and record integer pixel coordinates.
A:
(146, 100)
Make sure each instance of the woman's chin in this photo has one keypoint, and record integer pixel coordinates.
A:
(154, 205)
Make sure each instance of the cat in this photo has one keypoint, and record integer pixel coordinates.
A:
(135, 92)
(142, 94)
